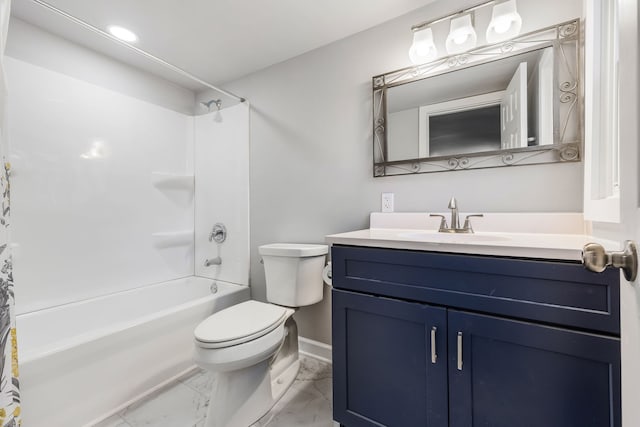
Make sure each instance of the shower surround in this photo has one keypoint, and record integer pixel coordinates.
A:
(114, 197)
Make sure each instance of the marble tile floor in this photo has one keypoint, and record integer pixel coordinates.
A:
(184, 403)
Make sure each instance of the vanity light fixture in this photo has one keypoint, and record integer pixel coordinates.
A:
(122, 33)
(505, 23)
(462, 36)
(423, 48)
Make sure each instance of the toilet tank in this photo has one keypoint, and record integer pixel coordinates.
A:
(293, 273)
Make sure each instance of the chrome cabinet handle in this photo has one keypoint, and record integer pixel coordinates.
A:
(596, 259)
(459, 351)
(434, 354)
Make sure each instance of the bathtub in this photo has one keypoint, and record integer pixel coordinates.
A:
(83, 361)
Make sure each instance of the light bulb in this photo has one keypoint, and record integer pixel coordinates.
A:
(460, 38)
(502, 25)
(505, 23)
(423, 48)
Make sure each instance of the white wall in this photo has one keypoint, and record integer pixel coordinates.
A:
(311, 148)
(222, 192)
(84, 206)
(104, 157)
(39, 47)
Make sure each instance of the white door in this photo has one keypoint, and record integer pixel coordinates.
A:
(513, 110)
(619, 179)
(544, 116)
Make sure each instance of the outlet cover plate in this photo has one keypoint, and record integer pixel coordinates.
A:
(387, 202)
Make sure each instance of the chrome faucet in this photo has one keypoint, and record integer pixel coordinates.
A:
(213, 261)
(455, 220)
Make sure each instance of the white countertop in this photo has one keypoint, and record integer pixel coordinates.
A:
(541, 245)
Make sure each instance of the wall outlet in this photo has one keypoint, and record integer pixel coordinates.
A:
(387, 202)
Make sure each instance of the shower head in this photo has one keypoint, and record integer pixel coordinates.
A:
(208, 104)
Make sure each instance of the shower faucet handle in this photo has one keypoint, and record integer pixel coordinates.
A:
(219, 233)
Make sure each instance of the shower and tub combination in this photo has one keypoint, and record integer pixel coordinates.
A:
(109, 351)
(115, 193)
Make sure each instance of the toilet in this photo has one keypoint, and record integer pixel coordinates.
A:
(253, 346)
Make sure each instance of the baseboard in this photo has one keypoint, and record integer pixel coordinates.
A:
(315, 349)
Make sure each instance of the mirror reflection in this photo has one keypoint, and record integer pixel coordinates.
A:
(511, 103)
(488, 107)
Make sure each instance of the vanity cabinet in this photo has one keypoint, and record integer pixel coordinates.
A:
(435, 339)
(386, 375)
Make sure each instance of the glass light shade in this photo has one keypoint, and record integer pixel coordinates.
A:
(462, 36)
(423, 48)
(505, 23)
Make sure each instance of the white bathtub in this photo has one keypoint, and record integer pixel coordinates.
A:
(82, 361)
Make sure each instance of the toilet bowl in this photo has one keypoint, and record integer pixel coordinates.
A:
(253, 346)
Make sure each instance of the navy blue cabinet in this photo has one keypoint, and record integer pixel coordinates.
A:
(506, 373)
(431, 339)
(390, 362)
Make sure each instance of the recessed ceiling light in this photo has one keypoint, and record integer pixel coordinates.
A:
(122, 33)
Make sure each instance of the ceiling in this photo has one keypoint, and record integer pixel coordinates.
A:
(216, 40)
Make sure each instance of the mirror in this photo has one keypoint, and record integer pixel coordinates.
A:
(513, 103)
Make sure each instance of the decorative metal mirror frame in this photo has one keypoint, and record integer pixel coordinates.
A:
(568, 104)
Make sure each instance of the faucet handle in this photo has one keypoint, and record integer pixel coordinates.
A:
(443, 222)
(467, 222)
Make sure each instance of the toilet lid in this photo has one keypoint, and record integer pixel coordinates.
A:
(240, 323)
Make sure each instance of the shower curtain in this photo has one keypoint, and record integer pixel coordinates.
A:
(9, 386)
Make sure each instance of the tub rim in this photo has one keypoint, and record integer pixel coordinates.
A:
(27, 357)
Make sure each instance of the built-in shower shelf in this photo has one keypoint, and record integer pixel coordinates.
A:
(176, 181)
(168, 239)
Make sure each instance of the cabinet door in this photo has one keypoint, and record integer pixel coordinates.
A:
(384, 372)
(514, 373)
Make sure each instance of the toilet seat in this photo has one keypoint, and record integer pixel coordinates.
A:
(239, 324)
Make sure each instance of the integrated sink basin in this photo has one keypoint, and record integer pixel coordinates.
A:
(558, 236)
(438, 237)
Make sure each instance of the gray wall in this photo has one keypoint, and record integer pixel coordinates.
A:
(311, 148)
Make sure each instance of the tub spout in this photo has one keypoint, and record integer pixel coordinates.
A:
(214, 261)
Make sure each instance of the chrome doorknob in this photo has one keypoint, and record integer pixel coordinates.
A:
(595, 258)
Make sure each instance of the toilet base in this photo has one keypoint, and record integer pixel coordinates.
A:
(241, 397)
